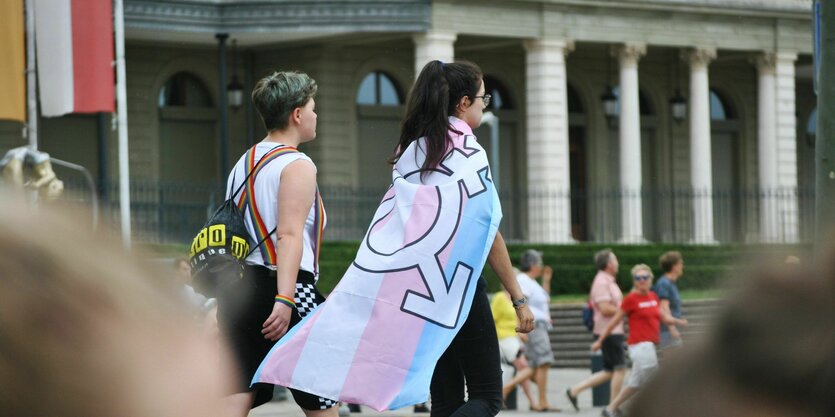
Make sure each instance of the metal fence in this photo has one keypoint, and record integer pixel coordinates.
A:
(173, 212)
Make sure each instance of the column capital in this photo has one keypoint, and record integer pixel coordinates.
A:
(629, 53)
(766, 63)
(786, 56)
(436, 36)
(698, 57)
(566, 45)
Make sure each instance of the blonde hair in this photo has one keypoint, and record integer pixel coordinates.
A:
(641, 267)
(86, 331)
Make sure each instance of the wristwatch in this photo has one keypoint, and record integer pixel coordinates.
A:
(520, 302)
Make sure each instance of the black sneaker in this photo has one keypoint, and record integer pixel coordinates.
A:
(572, 399)
(421, 408)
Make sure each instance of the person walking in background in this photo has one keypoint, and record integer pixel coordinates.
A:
(642, 308)
(510, 344)
(538, 347)
(768, 352)
(605, 296)
(666, 289)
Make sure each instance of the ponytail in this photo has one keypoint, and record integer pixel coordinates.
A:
(433, 97)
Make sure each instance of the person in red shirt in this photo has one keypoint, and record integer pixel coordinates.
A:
(642, 308)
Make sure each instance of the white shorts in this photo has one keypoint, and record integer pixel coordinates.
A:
(510, 346)
(644, 363)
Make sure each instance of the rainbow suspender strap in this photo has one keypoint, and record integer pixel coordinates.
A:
(318, 229)
(262, 234)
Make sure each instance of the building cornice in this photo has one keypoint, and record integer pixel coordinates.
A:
(801, 9)
(278, 16)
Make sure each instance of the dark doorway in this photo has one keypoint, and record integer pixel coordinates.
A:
(577, 170)
(577, 174)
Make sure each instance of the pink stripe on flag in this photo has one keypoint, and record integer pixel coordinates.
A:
(382, 223)
(376, 364)
(424, 211)
(92, 55)
(389, 194)
(290, 354)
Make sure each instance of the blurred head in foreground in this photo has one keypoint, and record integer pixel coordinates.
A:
(770, 353)
(84, 331)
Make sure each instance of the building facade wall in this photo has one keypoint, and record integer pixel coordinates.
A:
(493, 34)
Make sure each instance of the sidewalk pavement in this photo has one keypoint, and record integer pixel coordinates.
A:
(558, 381)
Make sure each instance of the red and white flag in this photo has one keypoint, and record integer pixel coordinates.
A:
(74, 42)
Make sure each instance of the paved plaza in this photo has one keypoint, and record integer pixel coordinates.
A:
(558, 381)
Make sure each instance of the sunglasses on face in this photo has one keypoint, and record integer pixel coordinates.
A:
(641, 277)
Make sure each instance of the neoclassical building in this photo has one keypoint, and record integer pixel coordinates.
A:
(619, 120)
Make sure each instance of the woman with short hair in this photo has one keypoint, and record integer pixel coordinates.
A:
(642, 308)
(283, 211)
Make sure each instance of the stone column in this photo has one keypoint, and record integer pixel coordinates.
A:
(701, 173)
(549, 199)
(776, 148)
(433, 45)
(632, 225)
(767, 145)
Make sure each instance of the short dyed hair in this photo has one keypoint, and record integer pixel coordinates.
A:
(668, 260)
(601, 259)
(277, 95)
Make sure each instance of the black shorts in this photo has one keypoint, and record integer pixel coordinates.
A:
(242, 309)
(614, 352)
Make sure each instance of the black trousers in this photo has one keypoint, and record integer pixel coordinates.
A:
(242, 308)
(471, 360)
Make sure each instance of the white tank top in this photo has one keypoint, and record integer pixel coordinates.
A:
(266, 186)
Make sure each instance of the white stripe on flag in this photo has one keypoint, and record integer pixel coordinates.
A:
(356, 296)
(53, 38)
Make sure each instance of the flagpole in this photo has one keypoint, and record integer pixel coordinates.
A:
(31, 97)
(122, 118)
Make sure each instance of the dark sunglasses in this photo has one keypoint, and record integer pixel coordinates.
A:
(641, 277)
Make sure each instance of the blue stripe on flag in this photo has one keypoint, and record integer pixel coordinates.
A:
(435, 340)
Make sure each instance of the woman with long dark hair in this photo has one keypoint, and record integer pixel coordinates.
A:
(446, 102)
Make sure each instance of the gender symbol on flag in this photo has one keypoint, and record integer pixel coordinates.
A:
(442, 299)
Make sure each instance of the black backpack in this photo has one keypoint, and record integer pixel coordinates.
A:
(219, 249)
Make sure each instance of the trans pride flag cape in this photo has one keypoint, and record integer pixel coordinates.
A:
(377, 338)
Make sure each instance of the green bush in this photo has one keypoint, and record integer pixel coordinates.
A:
(706, 267)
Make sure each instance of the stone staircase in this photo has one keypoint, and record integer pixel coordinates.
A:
(571, 340)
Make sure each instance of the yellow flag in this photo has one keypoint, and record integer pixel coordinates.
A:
(13, 62)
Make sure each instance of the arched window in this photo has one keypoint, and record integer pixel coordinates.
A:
(378, 89)
(720, 108)
(184, 90)
(500, 97)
